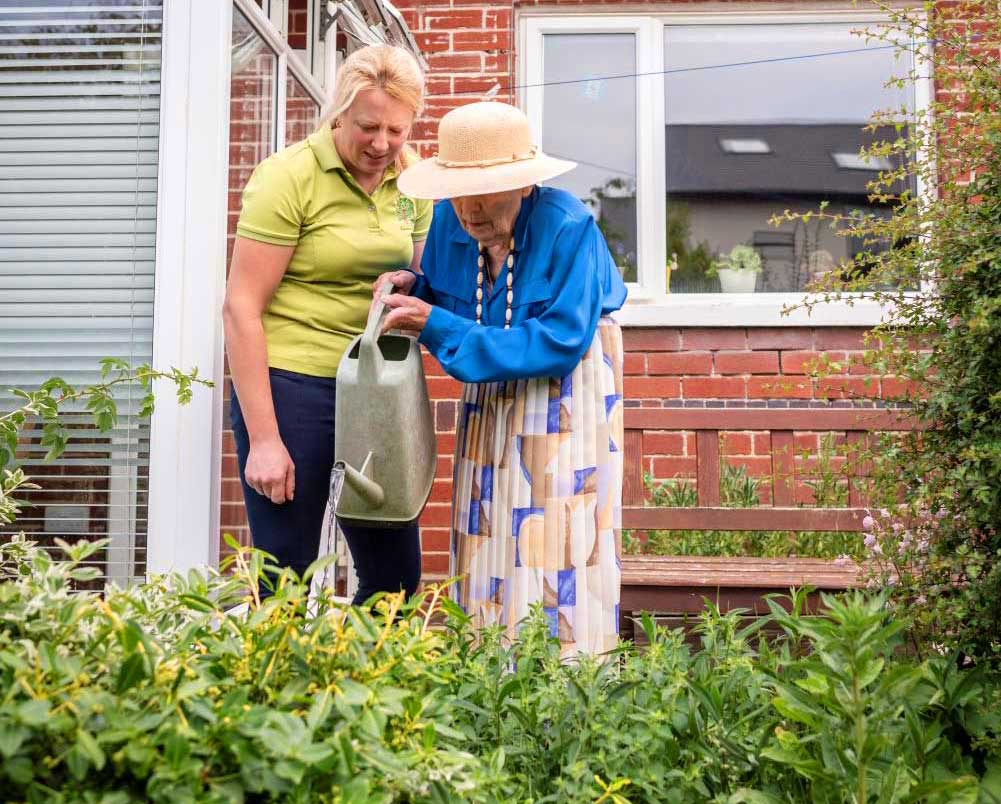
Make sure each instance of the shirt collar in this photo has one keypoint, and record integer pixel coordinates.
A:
(322, 143)
(460, 235)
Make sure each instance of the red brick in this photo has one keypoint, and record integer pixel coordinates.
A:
(481, 40)
(661, 443)
(444, 416)
(806, 441)
(779, 388)
(498, 18)
(230, 490)
(714, 338)
(444, 388)
(857, 364)
(651, 340)
(433, 42)
(232, 515)
(680, 363)
(438, 515)
(840, 338)
(666, 468)
(779, 338)
(713, 387)
(898, 388)
(435, 564)
(435, 540)
(736, 443)
(634, 363)
(471, 85)
(450, 19)
(747, 362)
(811, 362)
(443, 468)
(762, 444)
(446, 443)
(441, 491)
(846, 387)
(755, 467)
(652, 387)
(455, 62)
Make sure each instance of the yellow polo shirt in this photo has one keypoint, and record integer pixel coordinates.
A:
(344, 238)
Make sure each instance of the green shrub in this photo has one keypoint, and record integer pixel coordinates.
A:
(156, 693)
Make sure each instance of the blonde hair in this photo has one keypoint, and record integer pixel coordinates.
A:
(387, 67)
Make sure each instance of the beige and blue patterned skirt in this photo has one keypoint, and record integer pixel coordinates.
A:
(538, 499)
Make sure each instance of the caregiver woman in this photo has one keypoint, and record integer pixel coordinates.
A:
(517, 285)
(320, 221)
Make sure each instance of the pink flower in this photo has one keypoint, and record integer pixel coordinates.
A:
(868, 523)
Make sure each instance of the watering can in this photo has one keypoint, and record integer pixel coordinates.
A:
(383, 428)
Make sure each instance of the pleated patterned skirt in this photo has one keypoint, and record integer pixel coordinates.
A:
(538, 499)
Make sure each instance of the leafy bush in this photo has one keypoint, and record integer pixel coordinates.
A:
(156, 693)
(943, 339)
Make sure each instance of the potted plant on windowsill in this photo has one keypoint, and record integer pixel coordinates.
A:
(738, 271)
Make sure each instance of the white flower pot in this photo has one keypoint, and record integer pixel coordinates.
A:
(737, 281)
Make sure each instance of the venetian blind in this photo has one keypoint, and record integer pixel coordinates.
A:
(79, 116)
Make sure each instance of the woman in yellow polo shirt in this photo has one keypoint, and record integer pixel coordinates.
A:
(320, 221)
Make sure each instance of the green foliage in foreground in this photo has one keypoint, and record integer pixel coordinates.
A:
(154, 693)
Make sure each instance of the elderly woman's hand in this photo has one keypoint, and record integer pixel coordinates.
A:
(407, 313)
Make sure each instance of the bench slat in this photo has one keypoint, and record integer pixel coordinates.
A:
(841, 520)
(737, 573)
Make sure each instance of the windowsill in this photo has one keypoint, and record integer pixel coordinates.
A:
(644, 309)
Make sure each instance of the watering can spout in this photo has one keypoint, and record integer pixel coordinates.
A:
(366, 488)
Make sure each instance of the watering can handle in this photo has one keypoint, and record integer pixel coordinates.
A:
(369, 356)
(377, 313)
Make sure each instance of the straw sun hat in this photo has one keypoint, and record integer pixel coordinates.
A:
(482, 148)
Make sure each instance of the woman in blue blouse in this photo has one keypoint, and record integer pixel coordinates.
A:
(516, 288)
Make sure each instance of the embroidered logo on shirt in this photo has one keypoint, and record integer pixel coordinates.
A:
(406, 212)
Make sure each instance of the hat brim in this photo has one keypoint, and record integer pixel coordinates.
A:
(429, 179)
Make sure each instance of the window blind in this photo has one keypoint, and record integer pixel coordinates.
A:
(79, 118)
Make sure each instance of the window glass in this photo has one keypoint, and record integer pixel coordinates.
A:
(764, 118)
(589, 116)
(301, 111)
(78, 196)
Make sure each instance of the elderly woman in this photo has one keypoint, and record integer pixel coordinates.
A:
(516, 288)
(320, 221)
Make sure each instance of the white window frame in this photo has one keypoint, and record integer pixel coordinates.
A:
(649, 305)
(186, 441)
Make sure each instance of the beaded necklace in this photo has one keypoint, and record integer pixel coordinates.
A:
(481, 262)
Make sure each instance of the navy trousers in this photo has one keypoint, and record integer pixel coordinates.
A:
(385, 559)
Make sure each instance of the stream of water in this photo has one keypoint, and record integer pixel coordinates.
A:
(331, 533)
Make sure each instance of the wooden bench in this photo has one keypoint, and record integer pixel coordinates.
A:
(679, 584)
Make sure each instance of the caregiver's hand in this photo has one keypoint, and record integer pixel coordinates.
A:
(403, 281)
(270, 471)
(406, 313)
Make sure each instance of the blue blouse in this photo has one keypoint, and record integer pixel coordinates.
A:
(564, 281)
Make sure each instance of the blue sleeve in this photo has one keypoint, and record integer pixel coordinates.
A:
(550, 345)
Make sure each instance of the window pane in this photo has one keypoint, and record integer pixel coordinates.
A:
(296, 33)
(78, 174)
(591, 119)
(251, 111)
(749, 140)
(301, 111)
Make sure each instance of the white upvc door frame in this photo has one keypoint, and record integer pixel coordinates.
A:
(649, 305)
(192, 209)
(185, 441)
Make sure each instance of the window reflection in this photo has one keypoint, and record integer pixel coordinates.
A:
(301, 111)
(592, 120)
(764, 118)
